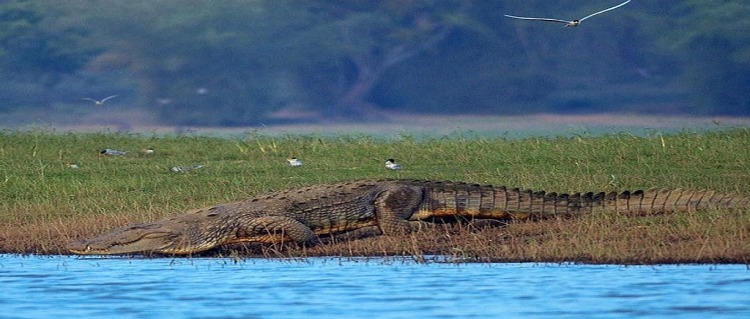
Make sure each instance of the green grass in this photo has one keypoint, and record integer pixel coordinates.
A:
(37, 187)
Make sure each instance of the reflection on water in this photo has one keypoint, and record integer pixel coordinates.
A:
(38, 287)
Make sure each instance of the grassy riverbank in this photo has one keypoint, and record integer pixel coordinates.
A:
(44, 202)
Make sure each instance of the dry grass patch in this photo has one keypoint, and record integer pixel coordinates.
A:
(52, 236)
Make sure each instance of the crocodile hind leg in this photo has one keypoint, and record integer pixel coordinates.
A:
(394, 206)
(275, 229)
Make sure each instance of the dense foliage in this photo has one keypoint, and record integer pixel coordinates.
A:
(236, 62)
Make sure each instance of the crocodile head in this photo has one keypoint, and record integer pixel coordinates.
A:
(132, 239)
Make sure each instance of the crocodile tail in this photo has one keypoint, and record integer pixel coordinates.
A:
(640, 202)
(655, 201)
(450, 200)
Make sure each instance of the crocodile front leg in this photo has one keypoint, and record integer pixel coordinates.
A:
(395, 205)
(275, 229)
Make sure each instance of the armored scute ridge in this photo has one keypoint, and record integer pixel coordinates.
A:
(393, 206)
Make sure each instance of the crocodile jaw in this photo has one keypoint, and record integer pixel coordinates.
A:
(134, 239)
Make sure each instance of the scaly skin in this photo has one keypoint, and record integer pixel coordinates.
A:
(394, 206)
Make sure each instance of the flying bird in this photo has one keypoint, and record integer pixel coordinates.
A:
(99, 102)
(572, 23)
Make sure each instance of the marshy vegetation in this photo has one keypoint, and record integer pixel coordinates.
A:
(45, 202)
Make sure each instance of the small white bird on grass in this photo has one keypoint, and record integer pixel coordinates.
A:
(99, 102)
(111, 152)
(185, 169)
(294, 162)
(572, 23)
(391, 164)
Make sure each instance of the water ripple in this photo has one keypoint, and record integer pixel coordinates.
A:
(38, 287)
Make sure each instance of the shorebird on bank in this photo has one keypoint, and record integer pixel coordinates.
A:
(572, 23)
(111, 152)
(185, 169)
(99, 102)
(391, 164)
(294, 161)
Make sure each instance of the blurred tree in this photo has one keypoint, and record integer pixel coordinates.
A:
(36, 48)
(358, 41)
(713, 41)
(245, 59)
(199, 62)
(477, 68)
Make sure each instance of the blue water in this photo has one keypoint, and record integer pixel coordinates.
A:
(70, 287)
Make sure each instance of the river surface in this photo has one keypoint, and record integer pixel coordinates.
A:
(71, 287)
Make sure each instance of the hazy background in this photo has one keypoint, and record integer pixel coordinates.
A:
(252, 62)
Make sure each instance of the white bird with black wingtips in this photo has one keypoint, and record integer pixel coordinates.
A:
(294, 162)
(571, 23)
(391, 164)
(111, 152)
(99, 102)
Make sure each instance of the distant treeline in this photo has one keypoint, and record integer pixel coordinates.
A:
(237, 62)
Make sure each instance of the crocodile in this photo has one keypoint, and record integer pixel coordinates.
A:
(393, 206)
